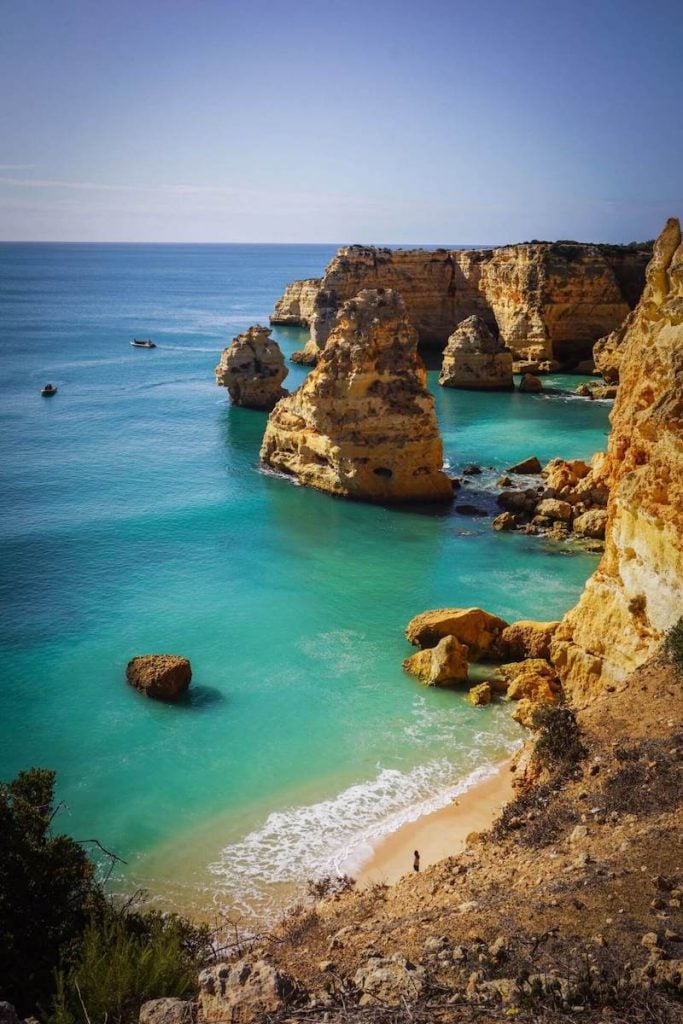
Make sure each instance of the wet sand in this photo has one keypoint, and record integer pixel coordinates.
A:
(441, 834)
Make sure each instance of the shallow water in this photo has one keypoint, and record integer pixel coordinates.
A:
(136, 519)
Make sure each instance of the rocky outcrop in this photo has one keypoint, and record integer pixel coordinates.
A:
(637, 591)
(162, 676)
(167, 1011)
(475, 360)
(363, 424)
(477, 629)
(442, 665)
(527, 639)
(252, 368)
(297, 303)
(242, 991)
(530, 384)
(546, 301)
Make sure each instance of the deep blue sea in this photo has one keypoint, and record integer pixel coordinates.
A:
(136, 519)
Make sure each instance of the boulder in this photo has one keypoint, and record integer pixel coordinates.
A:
(505, 522)
(391, 981)
(534, 679)
(166, 1011)
(480, 695)
(530, 384)
(554, 509)
(475, 360)
(363, 424)
(243, 990)
(591, 524)
(477, 629)
(161, 676)
(518, 501)
(527, 639)
(252, 368)
(530, 465)
(442, 665)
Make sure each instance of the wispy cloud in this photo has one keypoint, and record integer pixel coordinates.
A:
(94, 186)
(17, 167)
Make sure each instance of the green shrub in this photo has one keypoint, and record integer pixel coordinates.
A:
(59, 932)
(558, 745)
(47, 892)
(672, 648)
(125, 960)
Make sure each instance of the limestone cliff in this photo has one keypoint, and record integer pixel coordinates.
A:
(252, 368)
(296, 304)
(475, 359)
(363, 423)
(545, 300)
(637, 591)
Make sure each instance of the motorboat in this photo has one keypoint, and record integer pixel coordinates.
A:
(48, 389)
(142, 343)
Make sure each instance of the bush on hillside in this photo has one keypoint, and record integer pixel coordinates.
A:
(59, 932)
(558, 744)
(672, 648)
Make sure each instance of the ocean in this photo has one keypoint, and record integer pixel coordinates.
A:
(136, 519)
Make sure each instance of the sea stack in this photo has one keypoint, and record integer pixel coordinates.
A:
(637, 591)
(475, 360)
(252, 368)
(363, 424)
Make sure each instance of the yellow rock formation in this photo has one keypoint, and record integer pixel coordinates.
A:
(475, 359)
(478, 630)
(545, 300)
(442, 665)
(363, 424)
(637, 591)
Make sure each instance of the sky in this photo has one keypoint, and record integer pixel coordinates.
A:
(396, 121)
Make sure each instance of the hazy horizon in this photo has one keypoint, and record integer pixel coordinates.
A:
(218, 122)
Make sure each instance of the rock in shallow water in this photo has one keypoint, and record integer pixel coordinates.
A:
(474, 359)
(161, 676)
(252, 368)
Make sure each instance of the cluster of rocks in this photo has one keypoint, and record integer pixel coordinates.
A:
(452, 638)
(252, 368)
(569, 499)
(596, 390)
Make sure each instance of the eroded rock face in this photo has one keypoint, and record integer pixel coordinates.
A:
(363, 424)
(475, 360)
(297, 303)
(477, 629)
(527, 639)
(547, 301)
(442, 665)
(162, 676)
(242, 991)
(252, 368)
(637, 591)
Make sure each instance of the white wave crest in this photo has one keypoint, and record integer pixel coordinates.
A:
(335, 835)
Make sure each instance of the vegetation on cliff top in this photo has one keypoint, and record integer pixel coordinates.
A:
(69, 953)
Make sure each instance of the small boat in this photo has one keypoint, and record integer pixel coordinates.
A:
(142, 343)
(49, 389)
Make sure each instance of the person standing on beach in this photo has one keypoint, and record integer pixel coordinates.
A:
(416, 861)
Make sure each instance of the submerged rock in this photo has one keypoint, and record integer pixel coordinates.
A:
(252, 368)
(442, 665)
(162, 676)
(363, 424)
(475, 360)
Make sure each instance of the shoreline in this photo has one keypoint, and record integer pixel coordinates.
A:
(441, 833)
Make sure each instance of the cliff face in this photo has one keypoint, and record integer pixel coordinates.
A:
(296, 304)
(637, 591)
(549, 300)
(363, 423)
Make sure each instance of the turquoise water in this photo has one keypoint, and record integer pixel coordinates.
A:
(136, 519)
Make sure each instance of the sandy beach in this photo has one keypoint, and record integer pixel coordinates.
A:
(440, 834)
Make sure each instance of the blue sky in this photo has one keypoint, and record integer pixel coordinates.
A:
(431, 121)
